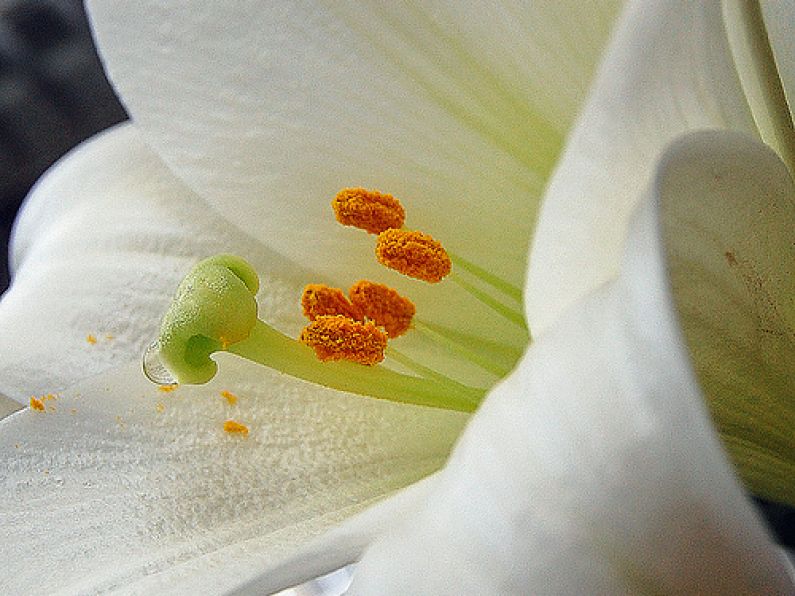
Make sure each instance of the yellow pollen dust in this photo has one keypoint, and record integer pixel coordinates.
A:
(167, 388)
(319, 300)
(383, 305)
(91, 339)
(341, 338)
(229, 397)
(368, 210)
(414, 254)
(36, 404)
(235, 428)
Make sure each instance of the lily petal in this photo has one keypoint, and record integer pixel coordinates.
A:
(669, 70)
(730, 257)
(110, 490)
(779, 16)
(101, 245)
(268, 111)
(595, 463)
(118, 484)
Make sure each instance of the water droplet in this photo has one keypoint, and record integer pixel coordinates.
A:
(153, 366)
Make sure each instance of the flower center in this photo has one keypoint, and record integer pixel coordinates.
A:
(347, 337)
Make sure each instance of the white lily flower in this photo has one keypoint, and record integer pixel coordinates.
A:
(593, 466)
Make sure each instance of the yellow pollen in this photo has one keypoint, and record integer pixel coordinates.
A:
(320, 300)
(383, 305)
(160, 407)
(341, 338)
(91, 339)
(167, 388)
(233, 427)
(36, 404)
(229, 397)
(414, 254)
(368, 210)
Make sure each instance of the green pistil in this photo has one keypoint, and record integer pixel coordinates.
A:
(214, 310)
(275, 350)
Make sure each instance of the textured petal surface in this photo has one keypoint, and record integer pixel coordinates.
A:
(594, 466)
(99, 249)
(268, 110)
(731, 256)
(118, 485)
(669, 70)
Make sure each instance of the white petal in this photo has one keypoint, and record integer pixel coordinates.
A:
(669, 70)
(268, 110)
(779, 18)
(730, 252)
(109, 490)
(100, 247)
(594, 468)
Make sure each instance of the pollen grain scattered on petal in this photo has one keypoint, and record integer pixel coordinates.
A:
(230, 397)
(321, 300)
(383, 305)
(413, 254)
(235, 428)
(91, 339)
(341, 338)
(36, 404)
(368, 210)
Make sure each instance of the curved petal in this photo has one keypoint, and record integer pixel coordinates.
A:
(730, 252)
(779, 16)
(669, 70)
(119, 485)
(267, 111)
(594, 465)
(102, 243)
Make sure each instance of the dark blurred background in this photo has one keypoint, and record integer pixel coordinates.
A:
(53, 95)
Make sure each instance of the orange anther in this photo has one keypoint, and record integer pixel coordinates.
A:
(341, 338)
(320, 300)
(383, 305)
(414, 254)
(368, 210)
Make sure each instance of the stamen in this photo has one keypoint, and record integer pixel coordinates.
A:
(414, 254)
(341, 338)
(320, 300)
(368, 210)
(383, 305)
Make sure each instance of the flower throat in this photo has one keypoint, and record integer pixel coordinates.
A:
(351, 335)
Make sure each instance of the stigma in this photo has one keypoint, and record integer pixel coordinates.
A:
(368, 210)
(336, 337)
(414, 254)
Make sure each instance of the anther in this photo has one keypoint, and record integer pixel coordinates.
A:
(414, 254)
(319, 300)
(368, 210)
(341, 338)
(384, 306)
